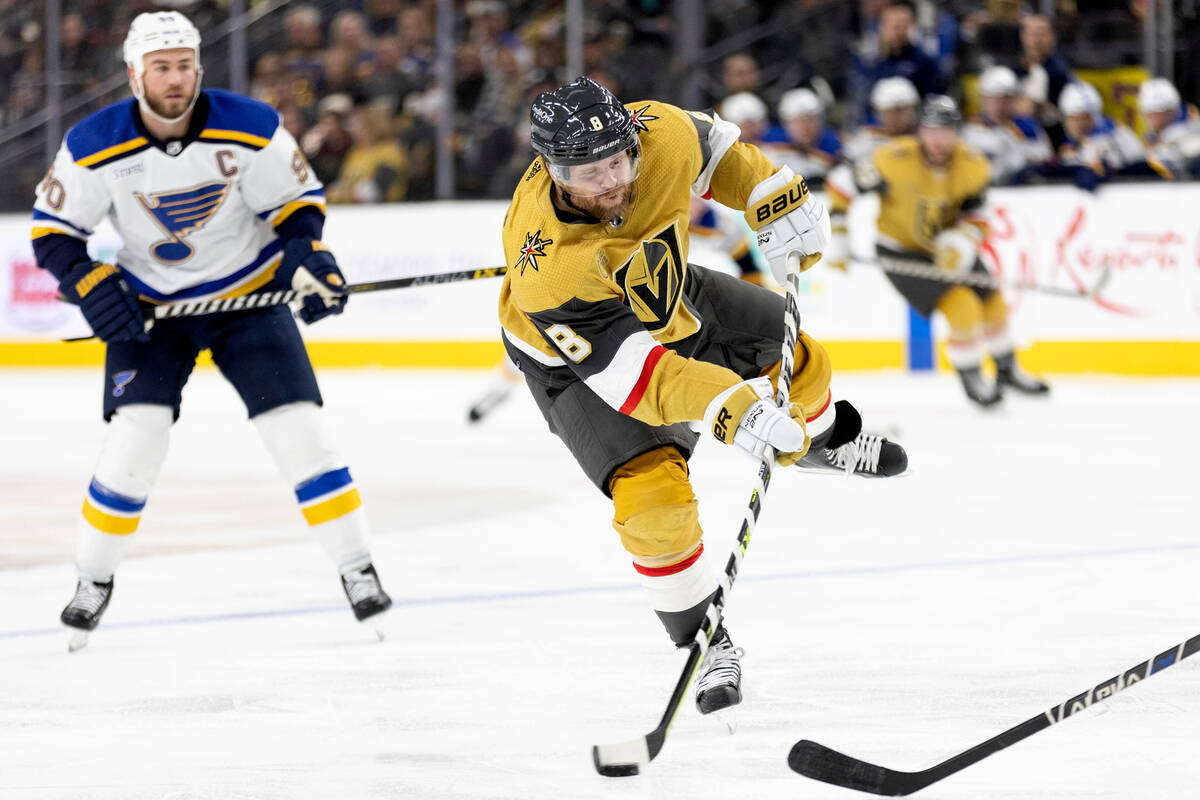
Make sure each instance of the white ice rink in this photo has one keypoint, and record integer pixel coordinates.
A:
(1029, 555)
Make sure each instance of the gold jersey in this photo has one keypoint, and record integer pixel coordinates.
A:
(917, 201)
(599, 300)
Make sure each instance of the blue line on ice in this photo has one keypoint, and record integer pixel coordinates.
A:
(496, 597)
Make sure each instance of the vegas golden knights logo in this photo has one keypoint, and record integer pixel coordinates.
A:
(931, 219)
(652, 279)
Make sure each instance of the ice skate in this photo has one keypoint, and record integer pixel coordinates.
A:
(367, 598)
(981, 391)
(871, 455)
(719, 686)
(1009, 373)
(83, 613)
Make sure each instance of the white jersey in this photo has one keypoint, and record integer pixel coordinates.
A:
(1009, 146)
(1109, 144)
(196, 216)
(1178, 144)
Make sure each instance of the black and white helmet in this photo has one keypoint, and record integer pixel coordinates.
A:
(583, 124)
(940, 111)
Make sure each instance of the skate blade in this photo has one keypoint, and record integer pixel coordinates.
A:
(727, 717)
(380, 624)
(77, 640)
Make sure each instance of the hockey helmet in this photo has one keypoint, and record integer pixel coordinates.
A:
(743, 107)
(999, 81)
(159, 30)
(1079, 98)
(888, 93)
(1157, 94)
(940, 111)
(587, 138)
(799, 103)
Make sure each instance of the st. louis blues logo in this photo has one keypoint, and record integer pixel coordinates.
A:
(641, 116)
(121, 380)
(181, 212)
(533, 249)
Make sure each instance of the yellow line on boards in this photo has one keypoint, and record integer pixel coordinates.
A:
(1163, 358)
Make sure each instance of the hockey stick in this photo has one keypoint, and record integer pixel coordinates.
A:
(982, 280)
(284, 296)
(821, 763)
(627, 758)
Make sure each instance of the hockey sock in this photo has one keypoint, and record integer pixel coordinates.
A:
(130, 461)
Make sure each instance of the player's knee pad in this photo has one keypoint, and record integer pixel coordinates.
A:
(134, 449)
(297, 440)
(963, 310)
(655, 509)
(995, 314)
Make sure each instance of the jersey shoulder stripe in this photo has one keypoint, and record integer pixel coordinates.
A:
(240, 120)
(105, 136)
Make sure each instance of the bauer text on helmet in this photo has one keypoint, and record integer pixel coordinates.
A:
(587, 138)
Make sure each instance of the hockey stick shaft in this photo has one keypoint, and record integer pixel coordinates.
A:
(626, 758)
(262, 299)
(981, 280)
(284, 296)
(817, 761)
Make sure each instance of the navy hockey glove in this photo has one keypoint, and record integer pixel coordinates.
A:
(108, 302)
(311, 270)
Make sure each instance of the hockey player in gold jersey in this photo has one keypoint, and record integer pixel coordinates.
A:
(931, 188)
(622, 342)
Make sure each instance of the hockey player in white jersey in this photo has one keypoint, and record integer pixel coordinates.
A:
(1015, 145)
(1171, 128)
(211, 198)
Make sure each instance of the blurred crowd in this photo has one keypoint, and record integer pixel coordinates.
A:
(815, 81)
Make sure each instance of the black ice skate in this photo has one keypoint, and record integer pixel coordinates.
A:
(981, 391)
(720, 683)
(1009, 373)
(365, 593)
(870, 455)
(83, 613)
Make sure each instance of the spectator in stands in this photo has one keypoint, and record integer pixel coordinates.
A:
(304, 41)
(349, 33)
(894, 104)
(992, 36)
(1171, 128)
(1043, 69)
(893, 54)
(375, 169)
(1015, 145)
(812, 147)
(387, 83)
(339, 76)
(739, 73)
(415, 28)
(325, 144)
(381, 16)
(1096, 147)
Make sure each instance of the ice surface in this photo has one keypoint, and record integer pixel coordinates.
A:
(1030, 555)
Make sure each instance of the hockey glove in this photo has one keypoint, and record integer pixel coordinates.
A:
(955, 249)
(745, 416)
(788, 218)
(108, 302)
(311, 270)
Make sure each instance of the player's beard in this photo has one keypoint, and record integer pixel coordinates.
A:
(173, 106)
(607, 206)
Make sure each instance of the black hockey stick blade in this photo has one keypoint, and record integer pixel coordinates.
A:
(815, 760)
(622, 759)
